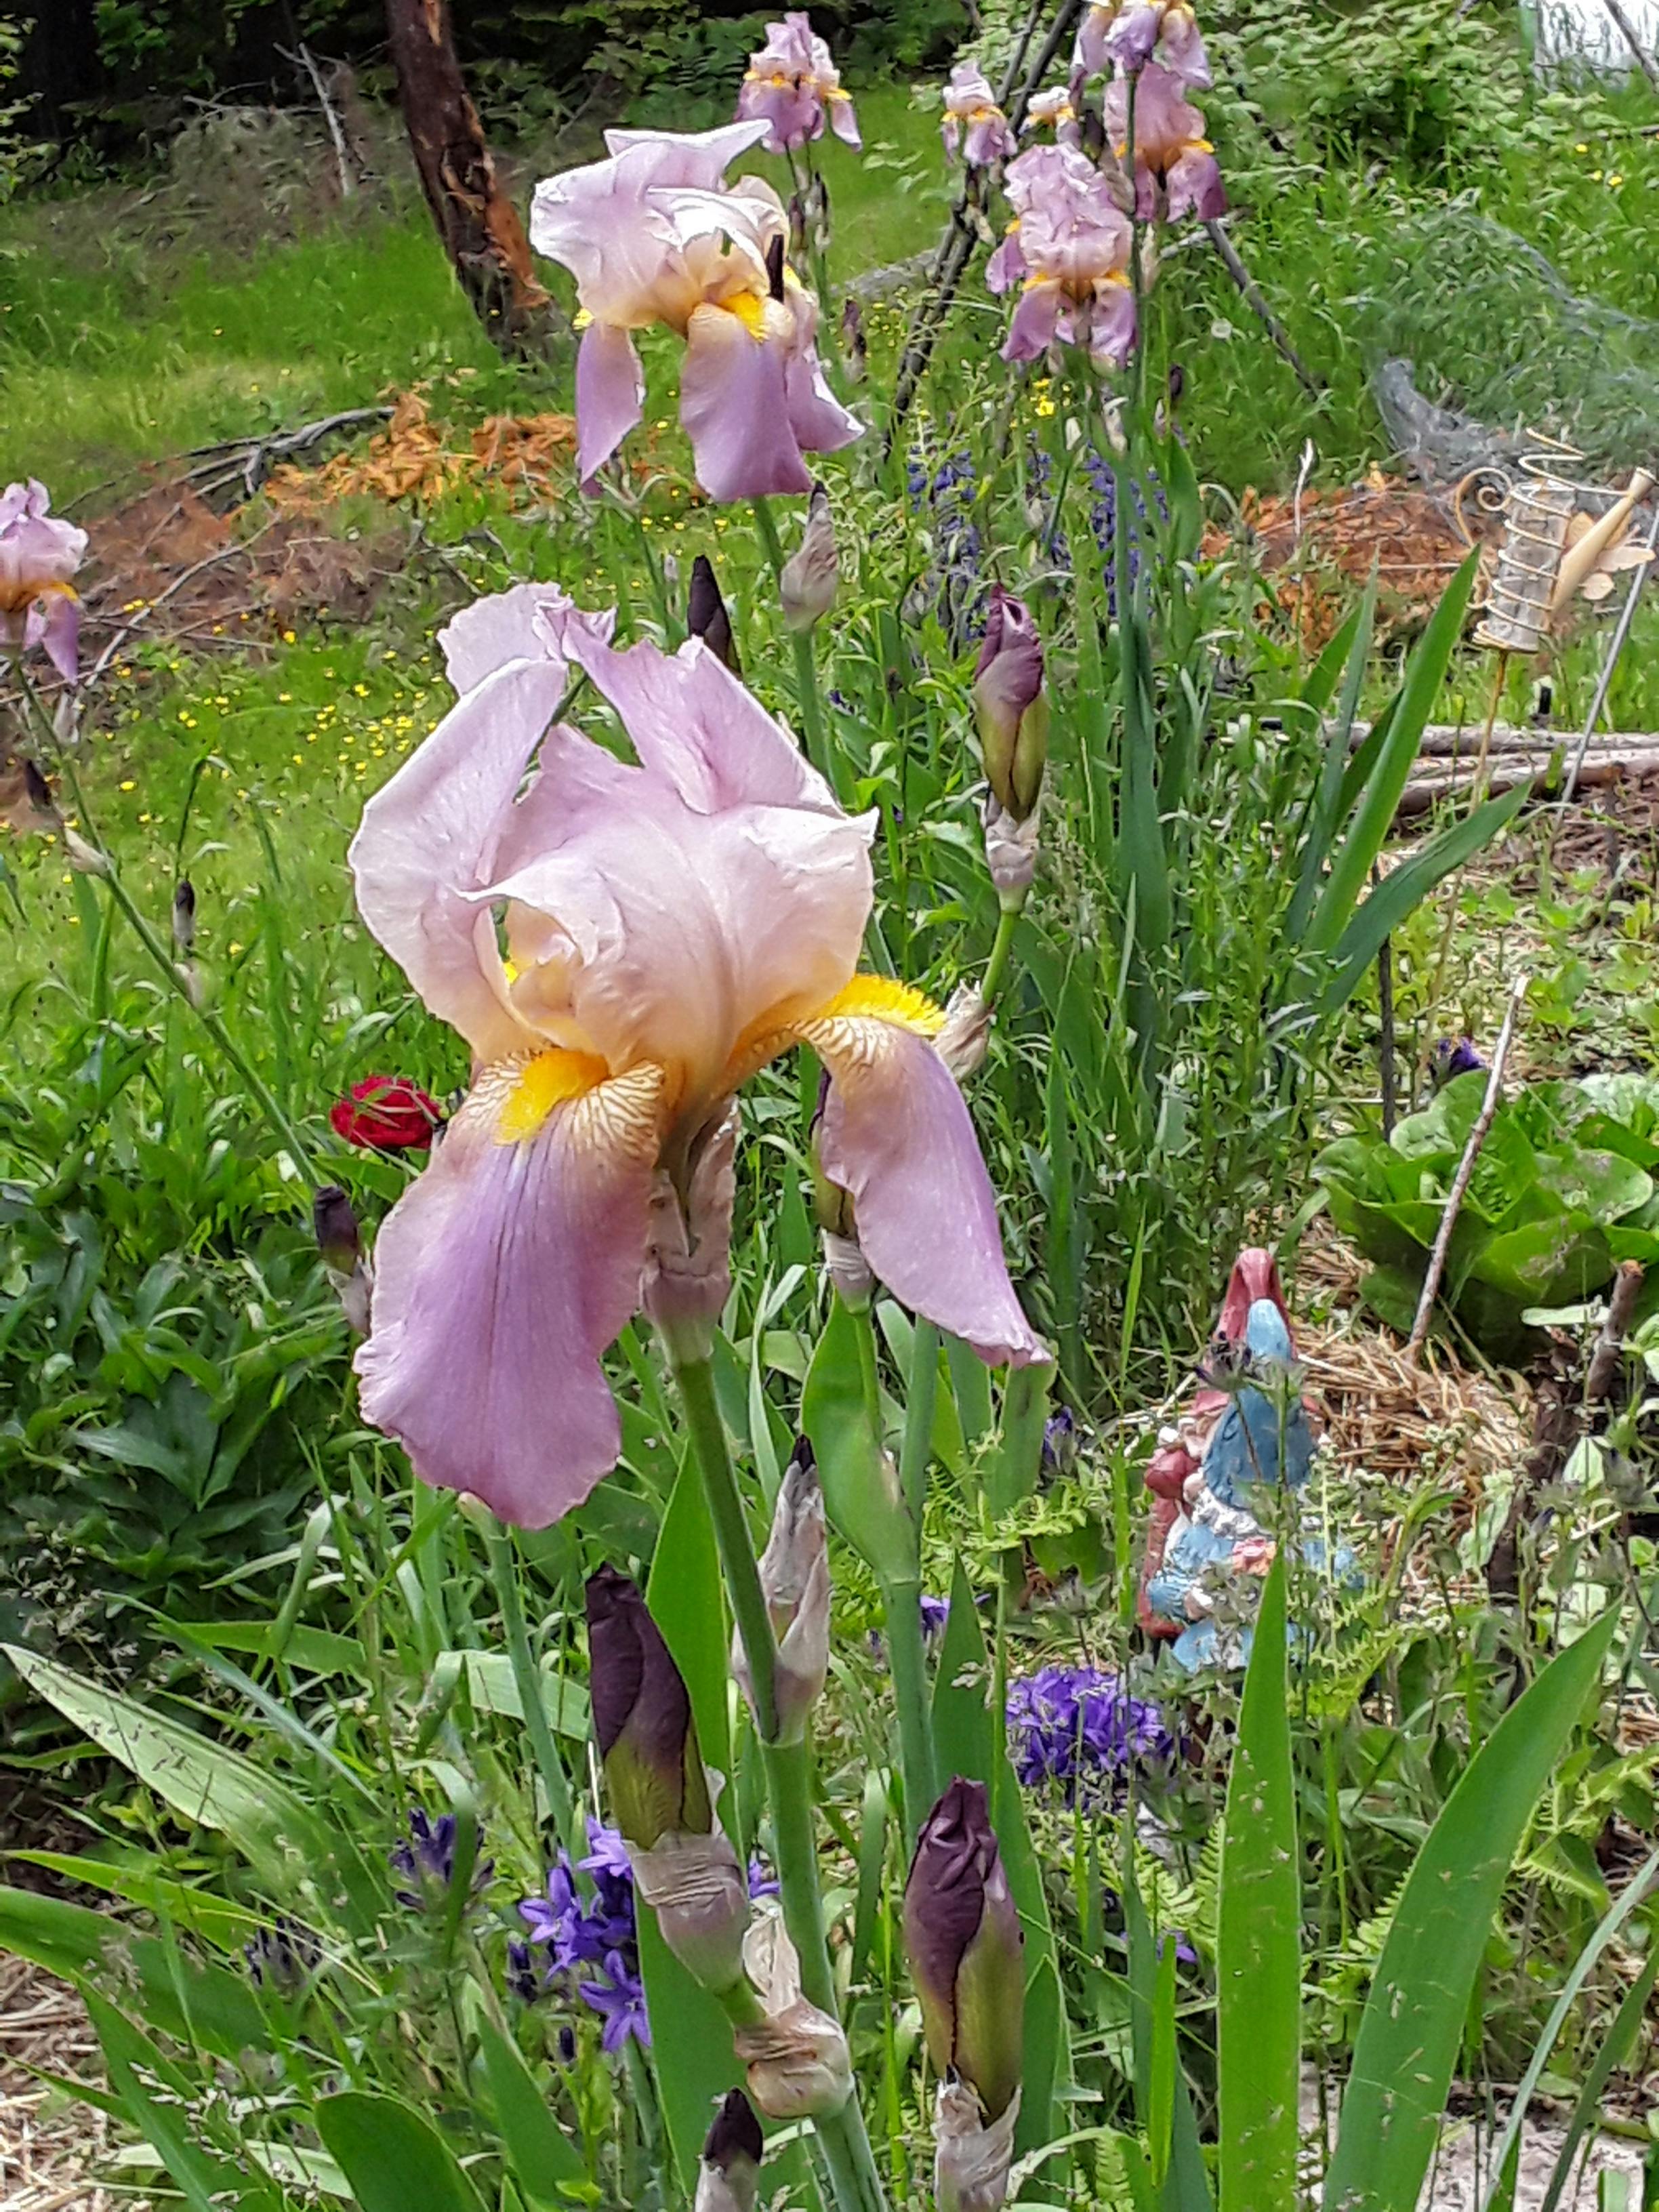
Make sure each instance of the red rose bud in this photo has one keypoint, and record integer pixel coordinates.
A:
(387, 1114)
(964, 1941)
(1010, 706)
(811, 574)
(642, 1719)
(728, 2178)
(706, 614)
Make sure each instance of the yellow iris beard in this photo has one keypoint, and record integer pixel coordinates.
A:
(750, 308)
(880, 996)
(542, 1082)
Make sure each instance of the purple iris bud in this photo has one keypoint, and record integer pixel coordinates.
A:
(706, 614)
(1078, 1729)
(963, 1935)
(1010, 705)
(1456, 1056)
(642, 1721)
(732, 2154)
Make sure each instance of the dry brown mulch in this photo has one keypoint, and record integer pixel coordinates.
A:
(50, 2146)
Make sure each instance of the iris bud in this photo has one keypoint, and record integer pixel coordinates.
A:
(341, 1246)
(642, 1719)
(963, 1937)
(728, 2178)
(1010, 706)
(854, 347)
(811, 574)
(683, 1866)
(706, 614)
(794, 1578)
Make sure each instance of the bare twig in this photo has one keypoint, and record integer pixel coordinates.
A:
(1437, 1268)
(301, 56)
(1606, 1358)
(1250, 292)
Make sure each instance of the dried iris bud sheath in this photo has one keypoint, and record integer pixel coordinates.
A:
(810, 577)
(794, 1578)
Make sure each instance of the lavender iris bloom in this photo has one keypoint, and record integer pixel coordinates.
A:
(1079, 1728)
(655, 234)
(1176, 173)
(1068, 252)
(794, 88)
(1125, 37)
(973, 124)
(37, 556)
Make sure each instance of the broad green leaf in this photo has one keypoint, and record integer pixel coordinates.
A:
(860, 1482)
(687, 1600)
(1045, 2012)
(1403, 889)
(206, 2183)
(492, 1688)
(691, 2048)
(1351, 865)
(1258, 1966)
(1410, 2030)
(395, 2160)
(963, 1739)
(1013, 1474)
(310, 1651)
(203, 1781)
(539, 2155)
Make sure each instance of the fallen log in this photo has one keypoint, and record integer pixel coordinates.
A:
(1545, 766)
(1451, 739)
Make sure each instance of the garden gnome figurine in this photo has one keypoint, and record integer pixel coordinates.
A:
(1247, 1433)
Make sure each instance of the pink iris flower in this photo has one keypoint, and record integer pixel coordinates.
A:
(623, 943)
(1177, 171)
(1055, 111)
(1120, 36)
(973, 124)
(1069, 252)
(793, 87)
(654, 235)
(38, 554)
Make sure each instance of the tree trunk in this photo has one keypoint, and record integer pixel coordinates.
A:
(479, 224)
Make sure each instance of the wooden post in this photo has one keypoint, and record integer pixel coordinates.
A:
(479, 224)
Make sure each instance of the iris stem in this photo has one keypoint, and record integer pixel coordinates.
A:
(1002, 948)
(901, 1601)
(853, 2180)
(809, 703)
(526, 1677)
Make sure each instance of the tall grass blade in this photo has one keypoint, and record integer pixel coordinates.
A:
(1324, 816)
(393, 2158)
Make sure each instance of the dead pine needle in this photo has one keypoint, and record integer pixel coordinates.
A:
(1415, 1341)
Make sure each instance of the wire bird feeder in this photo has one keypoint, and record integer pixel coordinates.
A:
(1543, 561)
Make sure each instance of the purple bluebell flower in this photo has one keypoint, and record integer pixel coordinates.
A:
(954, 588)
(526, 1979)
(1456, 1056)
(935, 1614)
(426, 1860)
(1077, 1728)
(1059, 1442)
(619, 2000)
(762, 1883)
(282, 1957)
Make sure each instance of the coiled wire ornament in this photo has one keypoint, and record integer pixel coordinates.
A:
(1537, 506)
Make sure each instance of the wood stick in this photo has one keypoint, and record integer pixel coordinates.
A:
(1437, 1268)
(1606, 1358)
(1443, 740)
(1250, 293)
(1543, 769)
(1645, 60)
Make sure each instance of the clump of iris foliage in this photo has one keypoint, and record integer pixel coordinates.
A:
(355, 1902)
